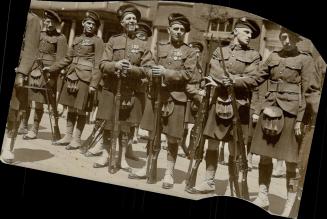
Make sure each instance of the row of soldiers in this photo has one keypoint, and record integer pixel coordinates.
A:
(126, 67)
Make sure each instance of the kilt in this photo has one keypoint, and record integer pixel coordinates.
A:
(77, 100)
(19, 98)
(284, 147)
(39, 96)
(173, 125)
(127, 117)
(189, 113)
(222, 129)
(138, 108)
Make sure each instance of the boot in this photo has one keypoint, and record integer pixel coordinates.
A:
(71, 120)
(32, 134)
(7, 154)
(265, 171)
(278, 171)
(124, 144)
(168, 181)
(76, 141)
(104, 158)
(97, 150)
(230, 189)
(292, 187)
(23, 127)
(141, 173)
(129, 151)
(208, 185)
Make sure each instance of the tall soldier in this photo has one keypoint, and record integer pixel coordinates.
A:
(82, 78)
(240, 61)
(292, 79)
(19, 96)
(123, 53)
(52, 48)
(176, 63)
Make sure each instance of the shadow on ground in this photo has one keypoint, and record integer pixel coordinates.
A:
(31, 155)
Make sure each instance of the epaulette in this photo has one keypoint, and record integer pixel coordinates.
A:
(305, 52)
(117, 35)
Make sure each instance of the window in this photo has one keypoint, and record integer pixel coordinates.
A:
(218, 25)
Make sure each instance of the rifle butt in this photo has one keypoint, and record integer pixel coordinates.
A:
(56, 133)
(152, 174)
(194, 172)
(112, 167)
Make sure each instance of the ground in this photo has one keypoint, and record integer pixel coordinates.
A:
(40, 154)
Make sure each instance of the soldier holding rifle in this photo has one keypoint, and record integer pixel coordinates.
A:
(240, 61)
(122, 66)
(52, 48)
(176, 64)
(82, 78)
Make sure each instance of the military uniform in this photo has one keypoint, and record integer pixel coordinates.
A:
(291, 78)
(19, 98)
(180, 64)
(139, 55)
(286, 72)
(83, 72)
(240, 62)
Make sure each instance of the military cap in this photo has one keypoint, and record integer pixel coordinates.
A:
(196, 45)
(181, 19)
(52, 15)
(245, 22)
(295, 37)
(144, 27)
(94, 16)
(124, 9)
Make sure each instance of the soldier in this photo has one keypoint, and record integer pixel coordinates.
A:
(240, 61)
(194, 86)
(52, 48)
(19, 96)
(176, 63)
(82, 78)
(292, 78)
(123, 53)
(143, 32)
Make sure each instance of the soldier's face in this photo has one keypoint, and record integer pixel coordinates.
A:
(176, 32)
(286, 41)
(243, 35)
(89, 26)
(129, 22)
(49, 24)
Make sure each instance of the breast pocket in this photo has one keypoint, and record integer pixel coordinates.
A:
(118, 51)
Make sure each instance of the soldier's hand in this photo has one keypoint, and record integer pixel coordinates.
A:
(227, 81)
(19, 80)
(123, 64)
(255, 118)
(46, 69)
(91, 89)
(211, 81)
(297, 128)
(158, 70)
(202, 93)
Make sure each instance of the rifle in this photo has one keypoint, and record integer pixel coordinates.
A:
(197, 139)
(115, 134)
(155, 135)
(94, 137)
(239, 164)
(51, 104)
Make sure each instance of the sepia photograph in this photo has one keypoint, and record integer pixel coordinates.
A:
(184, 99)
